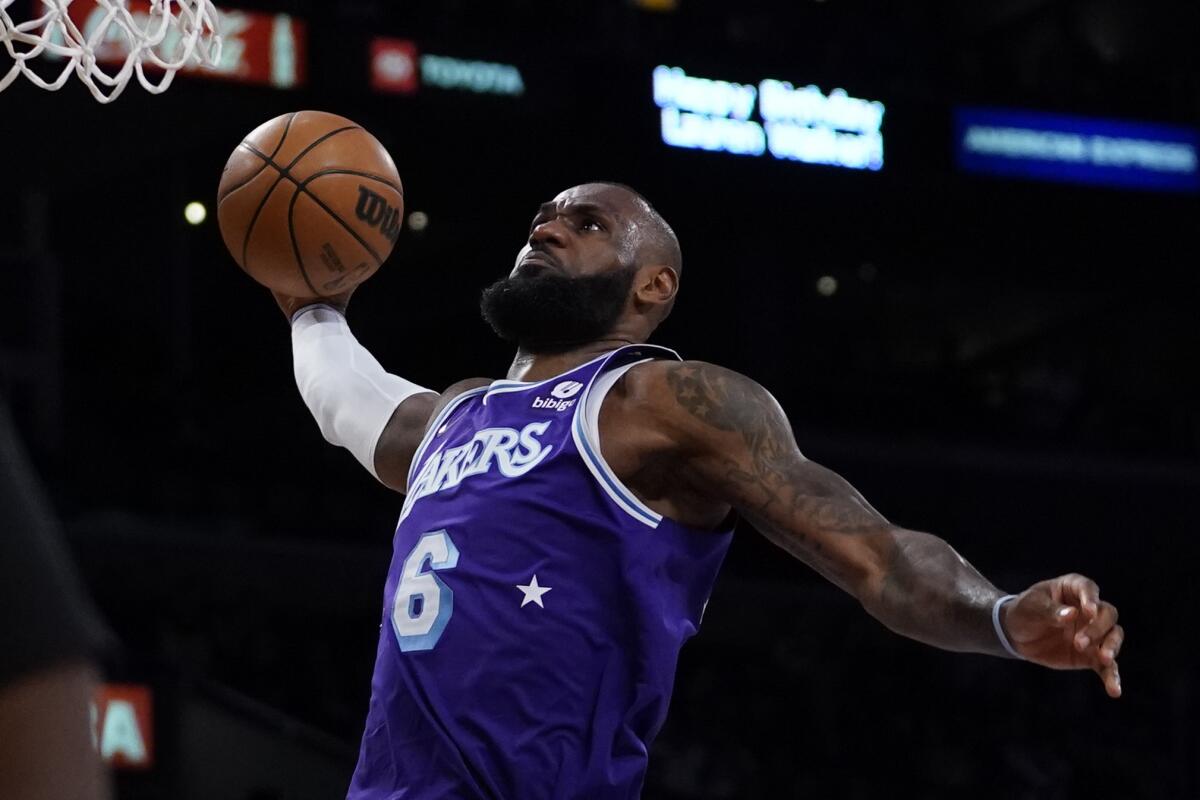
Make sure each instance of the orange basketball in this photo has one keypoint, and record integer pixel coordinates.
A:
(310, 204)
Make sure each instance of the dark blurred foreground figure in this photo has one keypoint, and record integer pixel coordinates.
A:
(49, 641)
(563, 527)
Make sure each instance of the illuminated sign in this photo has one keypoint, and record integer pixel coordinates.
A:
(123, 725)
(482, 77)
(393, 65)
(792, 123)
(1072, 149)
(396, 64)
(256, 48)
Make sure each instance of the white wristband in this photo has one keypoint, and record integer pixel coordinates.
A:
(305, 309)
(349, 394)
(999, 630)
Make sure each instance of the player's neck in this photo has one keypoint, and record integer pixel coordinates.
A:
(528, 366)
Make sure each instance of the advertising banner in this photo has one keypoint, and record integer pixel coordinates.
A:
(397, 67)
(123, 725)
(1059, 147)
(257, 48)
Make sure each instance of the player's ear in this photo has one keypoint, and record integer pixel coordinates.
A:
(657, 285)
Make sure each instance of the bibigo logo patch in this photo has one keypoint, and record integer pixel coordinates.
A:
(566, 389)
(559, 401)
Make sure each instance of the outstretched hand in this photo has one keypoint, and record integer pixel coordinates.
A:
(290, 305)
(1063, 624)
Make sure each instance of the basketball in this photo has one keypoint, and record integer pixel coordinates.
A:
(310, 204)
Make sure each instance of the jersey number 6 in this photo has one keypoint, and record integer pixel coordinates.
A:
(424, 603)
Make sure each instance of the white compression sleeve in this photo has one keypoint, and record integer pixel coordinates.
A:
(348, 392)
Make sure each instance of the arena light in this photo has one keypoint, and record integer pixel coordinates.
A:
(657, 6)
(195, 212)
(1059, 147)
(418, 221)
(772, 117)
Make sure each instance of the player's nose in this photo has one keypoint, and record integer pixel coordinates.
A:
(551, 232)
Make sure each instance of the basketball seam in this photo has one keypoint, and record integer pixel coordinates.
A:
(254, 219)
(284, 172)
(302, 187)
(286, 127)
(369, 175)
(266, 196)
(243, 184)
(246, 182)
(296, 245)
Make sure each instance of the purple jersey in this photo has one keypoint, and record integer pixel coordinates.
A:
(534, 608)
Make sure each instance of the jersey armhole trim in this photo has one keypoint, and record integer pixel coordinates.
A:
(585, 429)
(438, 421)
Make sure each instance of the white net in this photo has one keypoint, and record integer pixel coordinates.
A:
(152, 39)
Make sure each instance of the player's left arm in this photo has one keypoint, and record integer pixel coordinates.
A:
(737, 445)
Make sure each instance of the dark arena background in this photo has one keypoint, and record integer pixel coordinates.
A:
(981, 310)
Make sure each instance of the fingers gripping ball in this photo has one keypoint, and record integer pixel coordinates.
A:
(310, 204)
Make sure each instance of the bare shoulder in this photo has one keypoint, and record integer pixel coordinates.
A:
(696, 395)
(651, 438)
(706, 429)
(454, 390)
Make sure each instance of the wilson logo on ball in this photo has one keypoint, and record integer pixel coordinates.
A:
(375, 211)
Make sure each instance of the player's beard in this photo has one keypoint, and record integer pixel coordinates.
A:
(551, 313)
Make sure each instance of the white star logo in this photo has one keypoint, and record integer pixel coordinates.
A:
(533, 592)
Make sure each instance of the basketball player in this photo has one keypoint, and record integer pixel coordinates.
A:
(563, 526)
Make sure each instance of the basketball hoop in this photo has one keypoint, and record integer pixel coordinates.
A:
(140, 35)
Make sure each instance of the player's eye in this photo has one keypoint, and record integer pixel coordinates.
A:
(590, 224)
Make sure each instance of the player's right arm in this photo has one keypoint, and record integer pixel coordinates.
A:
(403, 433)
(379, 417)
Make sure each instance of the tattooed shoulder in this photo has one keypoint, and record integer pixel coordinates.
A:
(725, 399)
(754, 461)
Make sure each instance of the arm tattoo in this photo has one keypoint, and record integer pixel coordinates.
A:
(913, 582)
(775, 482)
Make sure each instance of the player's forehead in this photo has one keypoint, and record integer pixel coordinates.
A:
(602, 197)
